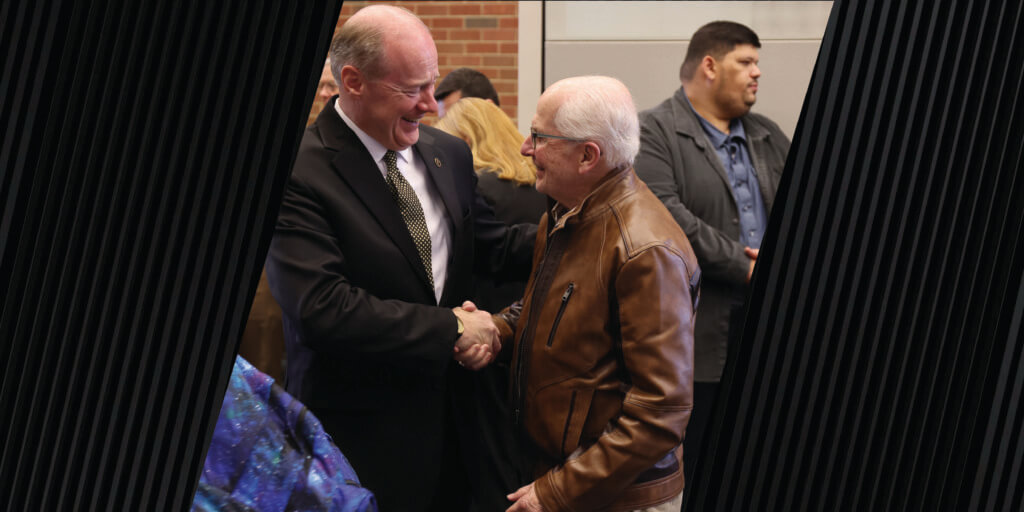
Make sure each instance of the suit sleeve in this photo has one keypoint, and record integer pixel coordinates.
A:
(332, 315)
(721, 258)
(503, 252)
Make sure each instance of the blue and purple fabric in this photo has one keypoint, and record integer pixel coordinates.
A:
(269, 453)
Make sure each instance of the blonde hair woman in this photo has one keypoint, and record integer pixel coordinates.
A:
(506, 177)
(492, 137)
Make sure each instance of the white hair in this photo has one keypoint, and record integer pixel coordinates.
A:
(599, 109)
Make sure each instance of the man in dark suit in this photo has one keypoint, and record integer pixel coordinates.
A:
(378, 234)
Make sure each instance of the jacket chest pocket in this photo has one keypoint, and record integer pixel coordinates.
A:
(576, 418)
(561, 310)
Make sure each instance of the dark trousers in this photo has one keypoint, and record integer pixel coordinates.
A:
(407, 469)
(453, 490)
(488, 442)
(704, 395)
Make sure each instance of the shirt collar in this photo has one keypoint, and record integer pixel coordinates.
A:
(716, 137)
(375, 148)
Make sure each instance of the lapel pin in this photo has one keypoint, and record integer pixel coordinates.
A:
(437, 161)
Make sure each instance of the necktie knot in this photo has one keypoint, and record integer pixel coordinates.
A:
(391, 160)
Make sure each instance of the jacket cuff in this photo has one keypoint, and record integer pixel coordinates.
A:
(504, 329)
(551, 500)
(506, 321)
(505, 332)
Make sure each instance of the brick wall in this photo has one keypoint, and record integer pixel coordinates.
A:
(482, 35)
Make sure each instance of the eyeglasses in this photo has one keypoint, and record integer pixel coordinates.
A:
(534, 135)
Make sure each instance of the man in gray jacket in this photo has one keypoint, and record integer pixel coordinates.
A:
(715, 166)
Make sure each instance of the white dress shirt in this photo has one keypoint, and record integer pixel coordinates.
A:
(415, 172)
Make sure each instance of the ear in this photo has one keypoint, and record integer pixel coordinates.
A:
(589, 157)
(352, 81)
(708, 67)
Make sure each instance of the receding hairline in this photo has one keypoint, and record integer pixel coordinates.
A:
(389, 20)
(388, 25)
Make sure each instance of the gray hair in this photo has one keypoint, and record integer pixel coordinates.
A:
(599, 109)
(360, 42)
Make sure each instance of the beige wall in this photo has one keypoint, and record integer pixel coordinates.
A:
(642, 43)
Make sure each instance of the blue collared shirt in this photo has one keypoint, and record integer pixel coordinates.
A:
(732, 151)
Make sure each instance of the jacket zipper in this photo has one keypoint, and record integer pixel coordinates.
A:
(561, 309)
(517, 398)
(568, 421)
(541, 287)
(517, 390)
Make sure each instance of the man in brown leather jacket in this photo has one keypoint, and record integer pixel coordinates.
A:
(602, 369)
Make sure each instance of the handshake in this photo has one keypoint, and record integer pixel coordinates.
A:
(480, 341)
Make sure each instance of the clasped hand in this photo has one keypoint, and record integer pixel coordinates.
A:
(480, 341)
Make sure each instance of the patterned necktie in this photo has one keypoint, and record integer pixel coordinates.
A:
(411, 210)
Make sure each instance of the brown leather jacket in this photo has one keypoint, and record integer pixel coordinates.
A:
(602, 375)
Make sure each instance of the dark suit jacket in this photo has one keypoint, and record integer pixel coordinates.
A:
(681, 167)
(498, 468)
(513, 204)
(368, 346)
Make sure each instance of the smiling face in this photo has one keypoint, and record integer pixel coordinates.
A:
(555, 159)
(392, 105)
(735, 87)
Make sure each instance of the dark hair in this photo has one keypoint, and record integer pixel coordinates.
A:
(715, 39)
(472, 84)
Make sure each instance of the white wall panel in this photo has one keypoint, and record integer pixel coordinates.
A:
(651, 71)
(646, 21)
(643, 43)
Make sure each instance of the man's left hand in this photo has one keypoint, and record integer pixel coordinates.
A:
(475, 357)
(525, 500)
